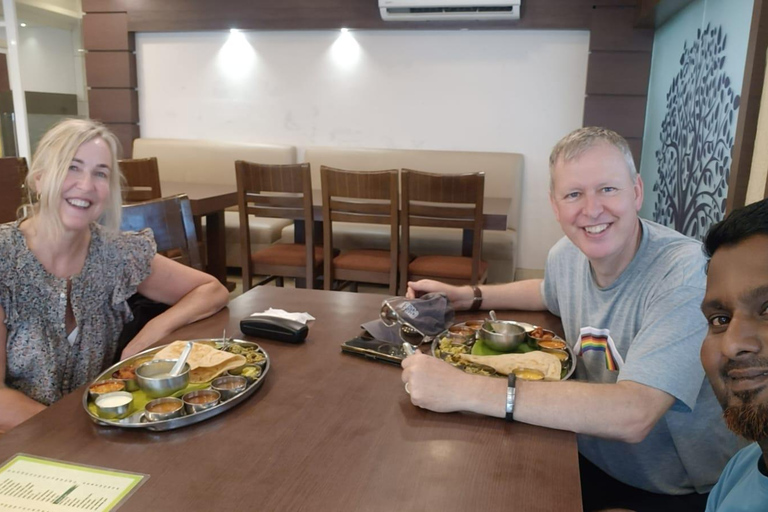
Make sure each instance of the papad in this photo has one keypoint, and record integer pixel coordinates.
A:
(205, 362)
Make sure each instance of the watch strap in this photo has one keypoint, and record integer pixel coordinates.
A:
(510, 397)
(477, 300)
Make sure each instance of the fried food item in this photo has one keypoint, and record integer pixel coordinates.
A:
(541, 334)
(126, 372)
(205, 362)
(505, 364)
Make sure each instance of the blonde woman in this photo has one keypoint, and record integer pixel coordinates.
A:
(66, 272)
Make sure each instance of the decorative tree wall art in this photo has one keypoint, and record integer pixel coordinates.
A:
(696, 138)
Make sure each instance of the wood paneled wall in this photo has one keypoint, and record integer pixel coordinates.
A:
(618, 73)
(110, 69)
(617, 77)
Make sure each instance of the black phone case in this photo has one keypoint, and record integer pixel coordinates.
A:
(274, 328)
(374, 349)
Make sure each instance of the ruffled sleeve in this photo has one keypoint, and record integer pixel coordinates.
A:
(7, 271)
(135, 251)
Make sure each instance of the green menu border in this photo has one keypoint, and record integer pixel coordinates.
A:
(137, 479)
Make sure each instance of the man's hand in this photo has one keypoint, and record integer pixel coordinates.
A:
(438, 386)
(460, 297)
(430, 381)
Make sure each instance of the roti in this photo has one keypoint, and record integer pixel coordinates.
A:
(205, 362)
(547, 364)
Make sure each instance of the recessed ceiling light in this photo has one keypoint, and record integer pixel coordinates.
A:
(344, 30)
(23, 24)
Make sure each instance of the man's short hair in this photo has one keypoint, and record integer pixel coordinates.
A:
(737, 226)
(578, 141)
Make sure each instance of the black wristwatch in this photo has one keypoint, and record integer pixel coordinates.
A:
(510, 397)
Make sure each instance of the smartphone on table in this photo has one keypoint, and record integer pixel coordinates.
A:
(374, 349)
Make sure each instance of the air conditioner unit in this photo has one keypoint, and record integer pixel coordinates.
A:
(445, 10)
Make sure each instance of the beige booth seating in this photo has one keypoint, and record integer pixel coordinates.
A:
(207, 161)
(503, 178)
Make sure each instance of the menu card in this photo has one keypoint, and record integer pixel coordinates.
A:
(34, 484)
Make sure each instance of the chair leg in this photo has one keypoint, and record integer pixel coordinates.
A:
(353, 286)
(279, 281)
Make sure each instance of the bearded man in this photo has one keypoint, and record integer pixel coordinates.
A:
(735, 351)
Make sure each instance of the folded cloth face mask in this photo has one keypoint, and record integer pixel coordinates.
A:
(411, 320)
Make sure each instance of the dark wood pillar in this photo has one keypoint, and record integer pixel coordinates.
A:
(110, 69)
(749, 109)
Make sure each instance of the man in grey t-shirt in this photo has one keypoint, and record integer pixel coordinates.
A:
(628, 292)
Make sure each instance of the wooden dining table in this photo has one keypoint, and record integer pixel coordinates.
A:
(208, 201)
(327, 431)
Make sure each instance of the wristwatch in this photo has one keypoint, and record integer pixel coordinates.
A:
(477, 300)
(510, 397)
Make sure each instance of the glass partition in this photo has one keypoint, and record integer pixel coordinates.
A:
(50, 72)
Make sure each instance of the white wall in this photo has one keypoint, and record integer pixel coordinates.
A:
(515, 91)
(47, 56)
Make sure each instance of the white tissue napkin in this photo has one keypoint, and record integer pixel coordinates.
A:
(299, 317)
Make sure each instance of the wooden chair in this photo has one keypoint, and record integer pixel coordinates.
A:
(13, 172)
(440, 200)
(172, 224)
(142, 179)
(277, 191)
(365, 197)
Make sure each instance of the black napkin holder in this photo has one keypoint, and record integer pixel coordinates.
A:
(274, 328)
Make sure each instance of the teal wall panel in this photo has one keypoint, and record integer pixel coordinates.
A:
(693, 98)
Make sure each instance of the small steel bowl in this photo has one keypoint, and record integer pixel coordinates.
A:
(113, 411)
(534, 341)
(250, 371)
(562, 355)
(475, 325)
(229, 386)
(152, 378)
(551, 344)
(210, 397)
(130, 382)
(103, 387)
(153, 412)
(463, 330)
(502, 335)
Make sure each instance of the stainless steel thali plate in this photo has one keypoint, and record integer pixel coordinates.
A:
(571, 368)
(137, 418)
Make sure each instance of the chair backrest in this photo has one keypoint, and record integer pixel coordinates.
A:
(281, 191)
(369, 197)
(172, 224)
(442, 200)
(142, 179)
(13, 172)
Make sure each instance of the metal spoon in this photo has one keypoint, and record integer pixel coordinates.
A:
(182, 359)
(492, 314)
(225, 342)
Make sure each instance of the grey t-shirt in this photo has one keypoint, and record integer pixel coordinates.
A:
(646, 327)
